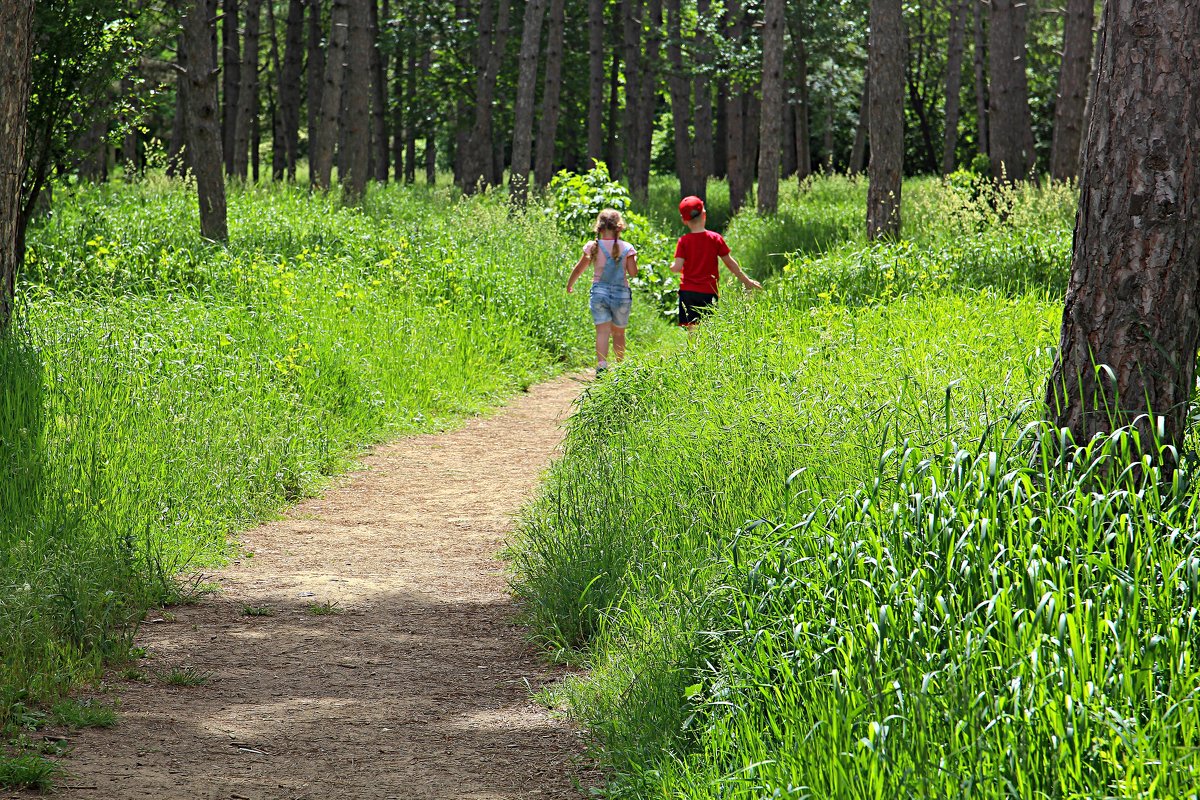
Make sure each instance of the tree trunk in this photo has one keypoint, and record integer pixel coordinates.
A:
(403, 107)
(316, 84)
(278, 148)
(16, 81)
(289, 85)
(596, 44)
(380, 154)
(410, 127)
(982, 139)
(720, 142)
(1072, 89)
(247, 112)
(331, 98)
(886, 113)
(612, 145)
(735, 119)
(1131, 301)
(632, 45)
(551, 106)
(522, 142)
(1011, 126)
(858, 150)
(769, 134)
(357, 121)
(679, 84)
(204, 129)
(954, 57)
(702, 147)
(480, 155)
(639, 178)
(829, 120)
(231, 80)
(800, 111)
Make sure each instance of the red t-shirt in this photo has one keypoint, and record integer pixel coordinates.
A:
(700, 252)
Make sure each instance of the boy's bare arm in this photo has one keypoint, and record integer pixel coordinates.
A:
(576, 272)
(678, 265)
(732, 265)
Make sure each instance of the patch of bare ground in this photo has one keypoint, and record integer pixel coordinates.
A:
(367, 650)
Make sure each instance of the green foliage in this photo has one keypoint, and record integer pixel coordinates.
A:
(28, 771)
(161, 392)
(70, 713)
(828, 550)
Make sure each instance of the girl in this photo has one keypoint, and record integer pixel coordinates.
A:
(615, 262)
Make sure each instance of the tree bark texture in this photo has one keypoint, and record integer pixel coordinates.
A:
(357, 121)
(16, 81)
(1011, 144)
(1133, 300)
(493, 37)
(321, 158)
(639, 179)
(522, 142)
(982, 138)
(1072, 89)
(248, 106)
(543, 168)
(204, 127)
(770, 131)
(800, 109)
(612, 144)
(886, 113)
(596, 52)
(954, 59)
(231, 80)
(289, 85)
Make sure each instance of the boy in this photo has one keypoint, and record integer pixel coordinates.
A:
(696, 257)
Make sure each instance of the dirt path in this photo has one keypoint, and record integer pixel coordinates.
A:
(416, 689)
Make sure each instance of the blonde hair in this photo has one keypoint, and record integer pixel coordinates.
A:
(609, 220)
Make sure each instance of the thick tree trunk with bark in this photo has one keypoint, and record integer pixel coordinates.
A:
(231, 79)
(1133, 301)
(321, 150)
(357, 121)
(770, 134)
(204, 128)
(954, 59)
(551, 92)
(522, 142)
(289, 85)
(16, 81)
(479, 169)
(247, 113)
(886, 70)
(982, 138)
(1011, 144)
(1072, 89)
(596, 50)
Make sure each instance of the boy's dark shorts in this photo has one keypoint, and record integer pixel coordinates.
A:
(694, 306)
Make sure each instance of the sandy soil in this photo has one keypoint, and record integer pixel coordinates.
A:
(417, 688)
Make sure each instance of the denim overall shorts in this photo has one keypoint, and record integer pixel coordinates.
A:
(611, 298)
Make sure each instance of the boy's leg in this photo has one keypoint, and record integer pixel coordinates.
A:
(603, 331)
(618, 339)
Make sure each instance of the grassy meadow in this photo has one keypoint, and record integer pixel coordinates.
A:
(162, 392)
(826, 549)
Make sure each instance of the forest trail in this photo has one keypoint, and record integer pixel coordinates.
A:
(416, 688)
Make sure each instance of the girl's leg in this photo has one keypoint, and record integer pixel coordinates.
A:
(618, 341)
(602, 333)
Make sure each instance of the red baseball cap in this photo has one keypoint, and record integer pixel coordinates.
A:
(690, 208)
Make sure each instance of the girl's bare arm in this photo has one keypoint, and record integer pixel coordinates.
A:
(631, 267)
(576, 272)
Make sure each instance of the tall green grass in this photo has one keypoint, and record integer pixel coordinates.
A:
(162, 392)
(828, 550)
